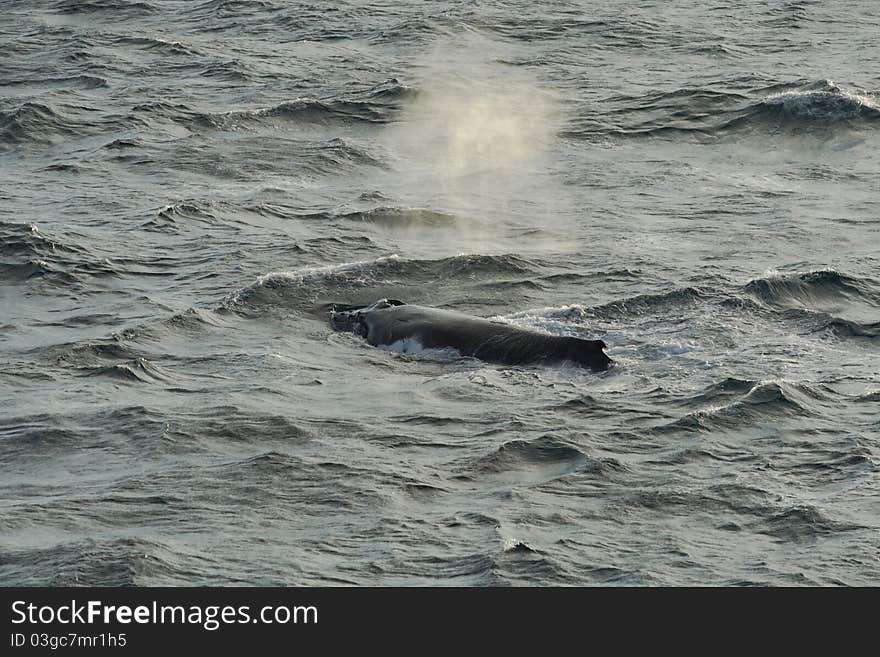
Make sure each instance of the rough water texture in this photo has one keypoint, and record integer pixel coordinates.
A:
(184, 184)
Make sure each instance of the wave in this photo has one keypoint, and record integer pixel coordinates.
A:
(40, 270)
(313, 110)
(40, 124)
(258, 158)
(801, 523)
(139, 370)
(724, 390)
(300, 23)
(231, 70)
(609, 276)
(585, 321)
(396, 217)
(335, 156)
(154, 334)
(544, 27)
(96, 354)
(627, 32)
(190, 322)
(846, 328)
(719, 499)
(546, 460)
(187, 211)
(123, 143)
(130, 354)
(734, 403)
(812, 287)
(816, 300)
(222, 215)
(27, 253)
(368, 280)
(26, 240)
(36, 434)
(388, 216)
(828, 105)
(179, 113)
(344, 487)
(125, 8)
(760, 511)
(231, 424)
(72, 82)
(232, 8)
(157, 44)
(814, 107)
(376, 107)
(645, 303)
(116, 561)
(546, 451)
(709, 113)
(34, 123)
(117, 357)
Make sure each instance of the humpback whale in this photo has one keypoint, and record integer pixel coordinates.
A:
(389, 321)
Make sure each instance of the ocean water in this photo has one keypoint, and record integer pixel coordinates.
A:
(185, 185)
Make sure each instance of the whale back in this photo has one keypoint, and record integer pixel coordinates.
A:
(587, 353)
(497, 342)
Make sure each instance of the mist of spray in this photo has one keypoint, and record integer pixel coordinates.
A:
(478, 140)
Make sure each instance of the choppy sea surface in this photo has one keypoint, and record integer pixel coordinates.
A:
(183, 185)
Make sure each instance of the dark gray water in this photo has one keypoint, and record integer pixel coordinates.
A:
(182, 184)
